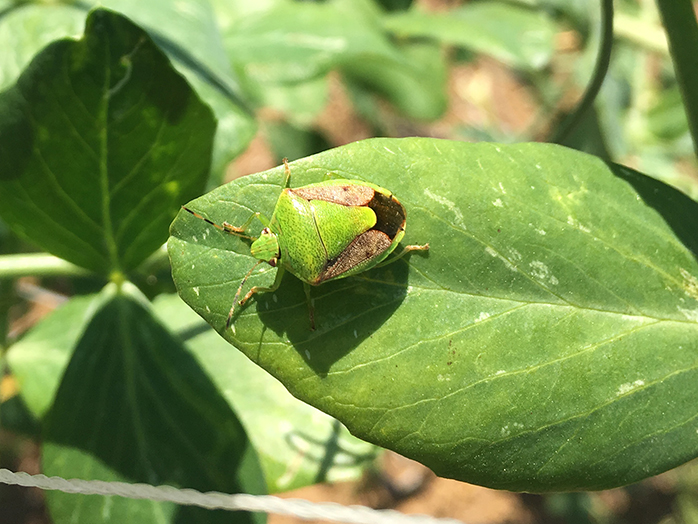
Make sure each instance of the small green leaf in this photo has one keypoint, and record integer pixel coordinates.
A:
(292, 42)
(284, 45)
(27, 28)
(133, 404)
(297, 444)
(39, 359)
(301, 103)
(416, 85)
(293, 142)
(517, 36)
(667, 117)
(100, 142)
(547, 341)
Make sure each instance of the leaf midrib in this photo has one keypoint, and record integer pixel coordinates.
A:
(112, 249)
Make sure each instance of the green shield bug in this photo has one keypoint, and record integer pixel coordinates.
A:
(323, 232)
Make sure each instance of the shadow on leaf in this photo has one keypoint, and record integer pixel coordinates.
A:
(347, 312)
(678, 210)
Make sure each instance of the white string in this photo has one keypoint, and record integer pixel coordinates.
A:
(214, 500)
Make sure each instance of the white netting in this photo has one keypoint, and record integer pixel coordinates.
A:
(213, 500)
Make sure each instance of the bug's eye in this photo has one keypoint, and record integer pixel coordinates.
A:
(272, 262)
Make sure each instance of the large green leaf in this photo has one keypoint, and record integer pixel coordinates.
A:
(134, 405)
(517, 36)
(297, 444)
(100, 142)
(186, 30)
(547, 341)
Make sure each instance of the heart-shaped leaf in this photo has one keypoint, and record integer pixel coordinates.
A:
(133, 404)
(100, 142)
(547, 341)
(187, 32)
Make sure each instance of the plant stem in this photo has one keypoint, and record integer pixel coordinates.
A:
(37, 264)
(603, 59)
(679, 20)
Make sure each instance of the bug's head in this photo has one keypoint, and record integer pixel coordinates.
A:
(266, 247)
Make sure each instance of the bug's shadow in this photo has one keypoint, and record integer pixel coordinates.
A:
(347, 312)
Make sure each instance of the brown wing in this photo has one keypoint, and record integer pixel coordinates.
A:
(349, 195)
(362, 249)
(390, 215)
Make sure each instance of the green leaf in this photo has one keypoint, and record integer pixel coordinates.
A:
(417, 88)
(292, 142)
(667, 118)
(292, 42)
(679, 20)
(287, 44)
(27, 28)
(39, 359)
(395, 5)
(297, 444)
(547, 341)
(16, 418)
(133, 404)
(301, 103)
(517, 36)
(64, 508)
(186, 31)
(100, 142)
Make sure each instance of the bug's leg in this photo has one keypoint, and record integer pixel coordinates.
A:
(311, 307)
(228, 228)
(405, 250)
(237, 295)
(238, 230)
(253, 291)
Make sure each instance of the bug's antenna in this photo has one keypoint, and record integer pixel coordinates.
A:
(237, 295)
(225, 227)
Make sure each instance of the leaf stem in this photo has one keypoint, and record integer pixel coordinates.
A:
(603, 59)
(37, 264)
(679, 20)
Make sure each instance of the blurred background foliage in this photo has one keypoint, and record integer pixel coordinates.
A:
(292, 78)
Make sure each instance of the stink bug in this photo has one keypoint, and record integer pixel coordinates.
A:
(323, 232)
